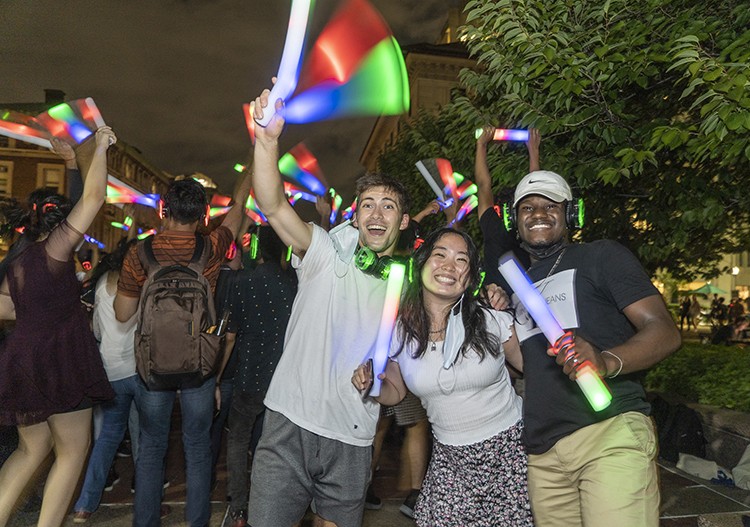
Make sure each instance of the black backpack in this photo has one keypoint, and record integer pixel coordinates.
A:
(679, 430)
(176, 345)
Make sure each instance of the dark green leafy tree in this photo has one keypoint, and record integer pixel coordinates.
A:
(643, 105)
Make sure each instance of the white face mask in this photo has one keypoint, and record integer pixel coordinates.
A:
(455, 333)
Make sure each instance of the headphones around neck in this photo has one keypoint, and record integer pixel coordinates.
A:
(367, 261)
(574, 215)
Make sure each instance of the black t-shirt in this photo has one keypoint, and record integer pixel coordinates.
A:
(587, 292)
(497, 242)
(260, 305)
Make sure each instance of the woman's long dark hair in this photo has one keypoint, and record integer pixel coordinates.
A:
(414, 320)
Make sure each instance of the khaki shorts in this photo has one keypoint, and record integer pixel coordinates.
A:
(603, 474)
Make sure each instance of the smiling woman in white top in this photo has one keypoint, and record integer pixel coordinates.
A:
(449, 349)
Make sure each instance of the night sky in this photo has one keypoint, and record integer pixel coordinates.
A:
(170, 76)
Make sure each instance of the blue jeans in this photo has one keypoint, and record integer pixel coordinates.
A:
(217, 426)
(114, 422)
(155, 409)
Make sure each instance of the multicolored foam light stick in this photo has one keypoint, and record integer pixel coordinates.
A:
(428, 168)
(297, 193)
(146, 234)
(588, 379)
(396, 275)
(291, 166)
(125, 225)
(354, 68)
(468, 205)
(72, 122)
(119, 192)
(349, 211)
(25, 128)
(291, 57)
(248, 109)
(502, 134)
(253, 211)
(335, 204)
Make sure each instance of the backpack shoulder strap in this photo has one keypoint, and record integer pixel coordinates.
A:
(145, 252)
(201, 254)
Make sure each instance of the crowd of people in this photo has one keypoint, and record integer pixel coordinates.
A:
(294, 369)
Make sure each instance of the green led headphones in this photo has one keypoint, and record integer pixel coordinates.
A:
(574, 215)
(367, 261)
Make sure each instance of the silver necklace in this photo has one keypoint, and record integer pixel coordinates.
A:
(557, 262)
(543, 283)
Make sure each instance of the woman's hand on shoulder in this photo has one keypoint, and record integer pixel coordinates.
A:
(497, 297)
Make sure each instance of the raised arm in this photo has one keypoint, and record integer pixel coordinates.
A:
(233, 219)
(431, 208)
(532, 145)
(482, 172)
(269, 189)
(95, 183)
(73, 179)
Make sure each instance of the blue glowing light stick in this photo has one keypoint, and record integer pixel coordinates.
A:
(291, 57)
(395, 283)
(588, 379)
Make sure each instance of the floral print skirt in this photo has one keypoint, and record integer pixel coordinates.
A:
(477, 485)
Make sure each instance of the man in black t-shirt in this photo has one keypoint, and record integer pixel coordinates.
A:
(587, 467)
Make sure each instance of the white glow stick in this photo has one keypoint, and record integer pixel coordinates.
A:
(286, 79)
(430, 181)
(387, 322)
(95, 113)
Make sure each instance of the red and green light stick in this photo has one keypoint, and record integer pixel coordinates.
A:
(468, 205)
(24, 128)
(588, 379)
(291, 166)
(395, 283)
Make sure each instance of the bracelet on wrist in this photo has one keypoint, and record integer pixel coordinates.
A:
(612, 376)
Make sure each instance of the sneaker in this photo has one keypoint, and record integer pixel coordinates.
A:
(113, 478)
(238, 518)
(124, 449)
(372, 502)
(81, 516)
(407, 507)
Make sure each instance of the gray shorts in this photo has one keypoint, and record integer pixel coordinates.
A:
(293, 467)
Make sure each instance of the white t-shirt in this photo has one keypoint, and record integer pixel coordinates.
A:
(332, 330)
(472, 400)
(116, 339)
